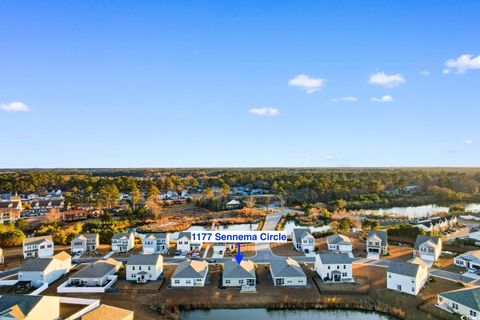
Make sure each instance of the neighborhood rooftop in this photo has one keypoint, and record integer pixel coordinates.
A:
(25, 303)
(191, 269)
(338, 239)
(422, 239)
(469, 297)
(37, 240)
(335, 258)
(380, 234)
(409, 268)
(286, 268)
(95, 270)
(234, 270)
(299, 233)
(144, 259)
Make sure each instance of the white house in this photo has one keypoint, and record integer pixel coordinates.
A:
(239, 275)
(303, 240)
(45, 270)
(339, 243)
(408, 277)
(144, 267)
(427, 248)
(84, 243)
(186, 244)
(156, 243)
(377, 242)
(29, 307)
(437, 224)
(38, 247)
(465, 302)
(474, 234)
(233, 204)
(334, 267)
(190, 273)
(469, 260)
(287, 272)
(123, 242)
(95, 274)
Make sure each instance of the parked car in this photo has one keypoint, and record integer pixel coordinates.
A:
(210, 260)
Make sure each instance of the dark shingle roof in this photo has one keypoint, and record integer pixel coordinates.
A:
(469, 297)
(421, 239)
(406, 268)
(186, 234)
(381, 234)
(286, 268)
(334, 258)
(338, 239)
(95, 270)
(245, 269)
(191, 269)
(25, 302)
(144, 259)
(299, 233)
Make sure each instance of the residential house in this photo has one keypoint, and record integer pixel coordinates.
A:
(38, 247)
(45, 270)
(85, 242)
(239, 275)
(437, 224)
(123, 242)
(474, 234)
(186, 244)
(377, 242)
(287, 272)
(156, 243)
(465, 302)
(42, 206)
(334, 267)
(339, 243)
(408, 277)
(469, 260)
(9, 215)
(144, 267)
(190, 273)
(29, 307)
(106, 312)
(95, 274)
(2, 258)
(11, 205)
(427, 248)
(303, 240)
(233, 204)
(219, 248)
(74, 215)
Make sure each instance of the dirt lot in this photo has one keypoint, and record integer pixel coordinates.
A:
(285, 249)
(248, 250)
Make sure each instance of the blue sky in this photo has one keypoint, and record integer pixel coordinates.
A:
(239, 83)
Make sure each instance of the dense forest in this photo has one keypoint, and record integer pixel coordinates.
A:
(355, 188)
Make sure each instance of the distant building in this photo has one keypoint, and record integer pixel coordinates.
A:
(239, 275)
(377, 242)
(144, 267)
(29, 307)
(408, 277)
(123, 242)
(42, 206)
(287, 273)
(190, 273)
(106, 312)
(11, 205)
(438, 224)
(339, 243)
(233, 204)
(38, 247)
(74, 215)
(465, 302)
(156, 243)
(427, 248)
(85, 242)
(334, 267)
(45, 270)
(469, 260)
(303, 240)
(9, 215)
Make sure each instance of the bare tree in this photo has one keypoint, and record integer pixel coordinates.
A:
(250, 202)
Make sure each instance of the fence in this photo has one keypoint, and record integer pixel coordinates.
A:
(353, 292)
(65, 288)
(90, 305)
(39, 290)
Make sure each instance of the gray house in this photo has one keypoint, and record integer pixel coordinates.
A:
(239, 275)
(95, 274)
(190, 273)
(287, 272)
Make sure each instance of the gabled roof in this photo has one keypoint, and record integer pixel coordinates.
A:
(41, 264)
(86, 236)
(410, 268)
(233, 203)
(191, 269)
(95, 270)
(246, 269)
(118, 236)
(469, 297)
(37, 240)
(434, 241)
(156, 235)
(144, 259)
(470, 255)
(300, 233)
(286, 268)
(382, 235)
(186, 234)
(106, 312)
(19, 304)
(338, 239)
(334, 258)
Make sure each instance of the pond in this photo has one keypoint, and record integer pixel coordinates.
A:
(264, 314)
(232, 227)
(290, 225)
(418, 211)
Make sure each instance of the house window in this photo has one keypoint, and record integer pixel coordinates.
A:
(338, 267)
(227, 281)
(473, 313)
(328, 267)
(390, 276)
(188, 281)
(133, 267)
(413, 289)
(139, 267)
(240, 281)
(344, 266)
(344, 274)
(454, 306)
(149, 268)
(177, 281)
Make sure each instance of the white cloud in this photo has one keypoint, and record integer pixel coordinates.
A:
(329, 158)
(270, 112)
(14, 107)
(345, 99)
(463, 63)
(425, 73)
(383, 99)
(445, 71)
(389, 81)
(468, 141)
(307, 83)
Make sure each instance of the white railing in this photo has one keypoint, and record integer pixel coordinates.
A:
(39, 290)
(65, 288)
(89, 303)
